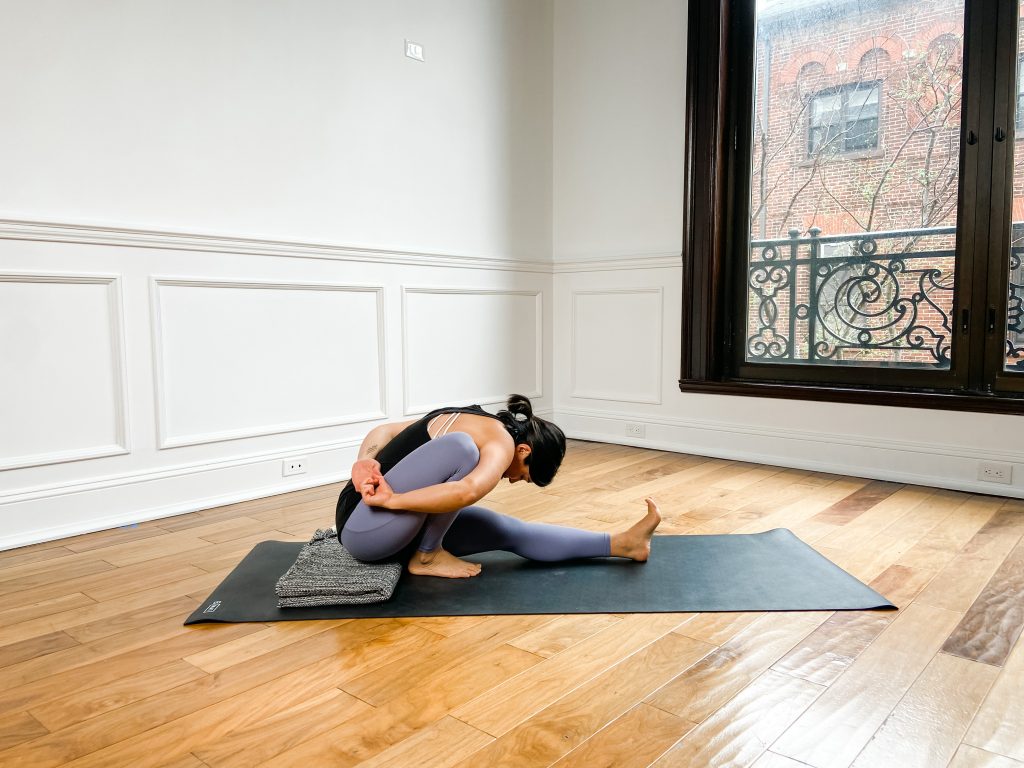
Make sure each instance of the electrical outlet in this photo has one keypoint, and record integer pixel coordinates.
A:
(414, 50)
(994, 472)
(296, 466)
(635, 430)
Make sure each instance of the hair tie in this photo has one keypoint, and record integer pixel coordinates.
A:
(520, 417)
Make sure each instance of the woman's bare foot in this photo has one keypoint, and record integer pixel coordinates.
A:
(443, 564)
(635, 542)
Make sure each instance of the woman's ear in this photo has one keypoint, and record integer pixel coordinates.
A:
(523, 450)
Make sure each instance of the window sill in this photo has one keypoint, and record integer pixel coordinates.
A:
(862, 154)
(950, 401)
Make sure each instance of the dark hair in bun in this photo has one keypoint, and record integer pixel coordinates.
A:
(546, 440)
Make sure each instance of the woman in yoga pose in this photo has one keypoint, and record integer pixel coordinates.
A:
(415, 485)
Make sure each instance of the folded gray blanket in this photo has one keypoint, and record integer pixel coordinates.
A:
(326, 574)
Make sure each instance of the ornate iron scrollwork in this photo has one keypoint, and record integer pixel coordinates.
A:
(846, 300)
(1015, 314)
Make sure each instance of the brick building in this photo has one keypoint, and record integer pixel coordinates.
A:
(856, 129)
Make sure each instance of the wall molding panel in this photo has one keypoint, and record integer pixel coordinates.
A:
(195, 447)
(410, 405)
(653, 395)
(166, 239)
(118, 369)
(164, 416)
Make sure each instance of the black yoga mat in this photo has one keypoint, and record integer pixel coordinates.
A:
(771, 571)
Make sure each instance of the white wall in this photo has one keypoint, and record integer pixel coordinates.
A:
(619, 88)
(242, 231)
(239, 232)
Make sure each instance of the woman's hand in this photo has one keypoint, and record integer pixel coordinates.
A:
(379, 495)
(366, 475)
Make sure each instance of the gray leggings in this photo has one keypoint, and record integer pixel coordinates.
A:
(375, 534)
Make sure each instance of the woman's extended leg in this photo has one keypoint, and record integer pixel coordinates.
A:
(375, 534)
(478, 529)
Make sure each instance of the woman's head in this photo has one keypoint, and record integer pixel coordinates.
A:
(545, 440)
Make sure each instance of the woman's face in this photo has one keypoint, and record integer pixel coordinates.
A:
(518, 470)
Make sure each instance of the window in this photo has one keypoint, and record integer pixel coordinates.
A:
(844, 119)
(895, 280)
(1020, 93)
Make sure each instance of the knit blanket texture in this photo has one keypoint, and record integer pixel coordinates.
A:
(325, 573)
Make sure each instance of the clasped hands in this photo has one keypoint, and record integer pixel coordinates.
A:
(370, 483)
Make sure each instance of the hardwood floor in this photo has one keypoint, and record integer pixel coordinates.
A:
(96, 668)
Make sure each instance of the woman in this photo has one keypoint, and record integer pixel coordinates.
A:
(416, 484)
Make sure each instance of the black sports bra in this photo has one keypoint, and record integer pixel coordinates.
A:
(400, 446)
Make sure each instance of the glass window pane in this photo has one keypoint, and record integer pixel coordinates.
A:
(1014, 352)
(854, 182)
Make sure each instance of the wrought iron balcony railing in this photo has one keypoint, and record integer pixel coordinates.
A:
(875, 298)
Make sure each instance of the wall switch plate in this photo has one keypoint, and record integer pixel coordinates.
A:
(295, 466)
(635, 430)
(994, 472)
(414, 50)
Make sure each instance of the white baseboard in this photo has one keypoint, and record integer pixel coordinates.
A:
(948, 466)
(60, 511)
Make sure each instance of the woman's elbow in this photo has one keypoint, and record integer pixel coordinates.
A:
(468, 494)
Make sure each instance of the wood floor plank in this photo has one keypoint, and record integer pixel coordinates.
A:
(941, 545)
(120, 681)
(972, 757)
(994, 621)
(13, 557)
(27, 583)
(563, 632)
(927, 725)
(35, 683)
(447, 625)
(34, 647)
(958, 585)
(440, 745)
(737, 733)
(126, 735)
(771, 760)
(858, 502)
(714, 680)
(557, 729)
(867, 525)
(822, 656)
(876, 553)
(244, 649)
(505, 706)
(719, 627)
(800, 510)
(431, 699)
(842, 720)
(633, 740)
(82, 704)
(181, 735)
(17, 728)
(44, 608)
(77, 655)
(263, 740)
(996, 728)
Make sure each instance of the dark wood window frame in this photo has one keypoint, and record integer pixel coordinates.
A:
(714, 153)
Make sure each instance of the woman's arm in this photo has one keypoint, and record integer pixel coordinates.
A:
(366, 469)
(447, 497)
